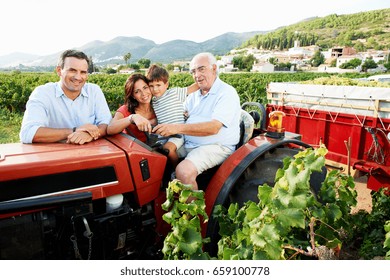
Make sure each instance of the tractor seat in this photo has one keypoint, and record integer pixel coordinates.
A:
(247, 124)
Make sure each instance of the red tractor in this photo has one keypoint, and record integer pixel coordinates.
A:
(103, 200)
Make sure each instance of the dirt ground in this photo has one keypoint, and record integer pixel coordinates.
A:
(364, 201)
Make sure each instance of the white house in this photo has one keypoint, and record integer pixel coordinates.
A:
(346, 58)
(263, 67)
(127, 71)
(228, 68)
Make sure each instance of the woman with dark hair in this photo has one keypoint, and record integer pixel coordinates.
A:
(136, 116)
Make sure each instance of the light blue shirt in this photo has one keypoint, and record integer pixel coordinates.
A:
(221, 103)
(48, 106)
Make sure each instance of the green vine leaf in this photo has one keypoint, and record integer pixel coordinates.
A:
(252, 211)
(333, 212)
(232, 211)
(386, 244)
(288, 215)
(185, 240)
(293, 217)
(190, 242)
(264, 194)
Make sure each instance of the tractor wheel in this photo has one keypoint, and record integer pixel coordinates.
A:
(261, 171)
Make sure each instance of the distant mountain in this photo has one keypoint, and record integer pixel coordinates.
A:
(112, 51)
(174, 50)
(16, 58)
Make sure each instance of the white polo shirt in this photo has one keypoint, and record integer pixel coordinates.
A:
(221, 103)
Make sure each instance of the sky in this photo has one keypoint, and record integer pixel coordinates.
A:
(44, 27)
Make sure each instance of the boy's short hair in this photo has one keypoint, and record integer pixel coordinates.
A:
(157, 73)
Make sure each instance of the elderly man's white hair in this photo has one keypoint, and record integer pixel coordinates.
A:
(210, 57)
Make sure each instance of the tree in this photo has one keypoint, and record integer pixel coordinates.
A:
(244, 62)
(273, 60)
(91, 67)
(372, 43)
(127, 57)
(317, 59)
(387, 63)
(369, 63)
(249, 61)
(144, 63)
(238, 61)
(170, 67)
(135, 66)
(352, 64)
(359, 46)
(110, 71)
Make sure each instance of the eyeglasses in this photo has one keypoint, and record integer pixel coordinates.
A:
(200, 69)
(145, 88)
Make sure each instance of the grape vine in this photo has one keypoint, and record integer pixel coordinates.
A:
(288, 222)
(185, 240)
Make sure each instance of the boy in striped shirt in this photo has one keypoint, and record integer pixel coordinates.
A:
(168, 106)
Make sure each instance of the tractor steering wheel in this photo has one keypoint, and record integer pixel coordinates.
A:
(153, 139)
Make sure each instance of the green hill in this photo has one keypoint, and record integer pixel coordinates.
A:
(365, 30)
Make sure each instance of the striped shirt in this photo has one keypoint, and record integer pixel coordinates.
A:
(169, 107)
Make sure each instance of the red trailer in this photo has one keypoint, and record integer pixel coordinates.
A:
(353, 122)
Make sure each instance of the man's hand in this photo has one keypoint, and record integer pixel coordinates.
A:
(79, 137)
(166, 129)
(91, 129)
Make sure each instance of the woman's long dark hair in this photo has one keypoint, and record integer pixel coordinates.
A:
(129, 90)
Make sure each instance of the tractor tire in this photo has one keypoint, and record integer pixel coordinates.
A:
(261, 171)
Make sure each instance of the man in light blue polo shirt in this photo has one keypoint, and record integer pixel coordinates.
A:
(212, 129)
(70, 110)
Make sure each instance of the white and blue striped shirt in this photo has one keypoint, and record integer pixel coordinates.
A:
(169, 107)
